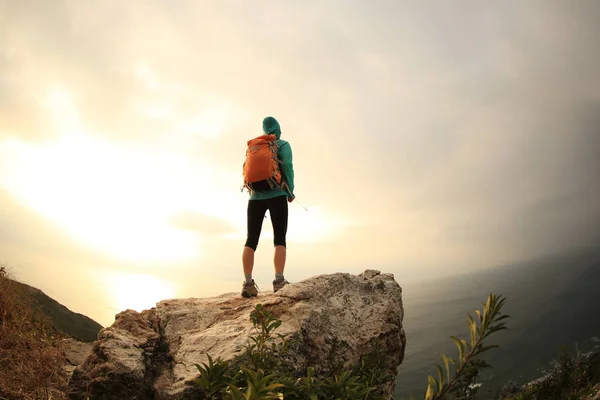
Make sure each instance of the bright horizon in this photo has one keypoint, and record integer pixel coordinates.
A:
(427, 140)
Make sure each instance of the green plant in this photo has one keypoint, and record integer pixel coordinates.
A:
(261, 373)
(463, 383)
(264, 348)
(258, 387)
(214, 377)
(346, 386)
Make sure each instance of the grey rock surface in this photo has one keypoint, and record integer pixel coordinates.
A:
(75, 352)
(152, 355)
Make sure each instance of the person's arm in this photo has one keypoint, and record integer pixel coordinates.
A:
(287, 167)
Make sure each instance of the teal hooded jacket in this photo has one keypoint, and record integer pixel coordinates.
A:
(271, 127)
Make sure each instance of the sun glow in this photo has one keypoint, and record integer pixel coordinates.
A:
(160, 100)
(312, 226)
(138, 291)
(117, 199)
(121, 199)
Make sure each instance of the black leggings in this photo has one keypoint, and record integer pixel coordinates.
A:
(278, 210)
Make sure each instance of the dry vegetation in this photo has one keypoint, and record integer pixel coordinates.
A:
(31, 361)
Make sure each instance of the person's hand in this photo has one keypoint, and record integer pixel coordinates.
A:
(290, 199)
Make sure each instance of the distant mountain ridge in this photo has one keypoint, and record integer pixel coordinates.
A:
(76, 325)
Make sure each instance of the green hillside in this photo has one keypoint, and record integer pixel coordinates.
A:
(73, 324)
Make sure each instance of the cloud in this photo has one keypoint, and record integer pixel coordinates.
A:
(202, 224)
(458, 127)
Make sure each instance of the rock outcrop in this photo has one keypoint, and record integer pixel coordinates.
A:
(152, 354)
(75, 353)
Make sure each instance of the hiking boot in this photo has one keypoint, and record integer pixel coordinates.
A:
(278, 284)
(249, 289)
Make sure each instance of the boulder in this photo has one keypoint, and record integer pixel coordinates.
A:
(333, 319)
(75, 353)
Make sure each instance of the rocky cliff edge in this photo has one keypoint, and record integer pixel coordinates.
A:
(152, 354)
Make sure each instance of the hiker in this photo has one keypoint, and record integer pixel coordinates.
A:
(271, 194)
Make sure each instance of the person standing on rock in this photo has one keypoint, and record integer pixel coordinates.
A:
(269, 178)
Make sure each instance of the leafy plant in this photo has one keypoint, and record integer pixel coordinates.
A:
(468, 364)
(260, 372)
(258, 387)
(214, 377)
(345, 386)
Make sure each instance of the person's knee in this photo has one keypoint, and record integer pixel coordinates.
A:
(252, 243)
(279, 241)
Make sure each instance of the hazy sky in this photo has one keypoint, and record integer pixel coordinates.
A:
(428, 139)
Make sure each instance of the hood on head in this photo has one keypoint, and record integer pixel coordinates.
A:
(271, 127)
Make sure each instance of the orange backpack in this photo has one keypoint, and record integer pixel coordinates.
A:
(261, 168)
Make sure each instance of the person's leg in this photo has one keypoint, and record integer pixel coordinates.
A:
(278, 209)
(248, 262)
(279, 260)
(255, 215)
